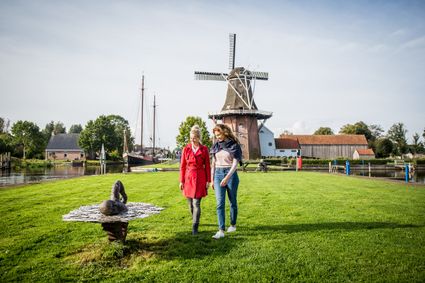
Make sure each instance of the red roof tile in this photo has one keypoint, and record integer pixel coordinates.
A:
(328, 139)
(367, 151)
(284, 143)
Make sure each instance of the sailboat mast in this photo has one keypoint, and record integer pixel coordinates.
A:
(142, 101)
(125, 149)
(154, 113)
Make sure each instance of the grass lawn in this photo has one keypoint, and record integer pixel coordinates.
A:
(292, 226)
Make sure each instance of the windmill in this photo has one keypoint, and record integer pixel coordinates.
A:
(239, 111)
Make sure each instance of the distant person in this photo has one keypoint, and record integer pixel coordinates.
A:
(262, 166)
(226, 155)
(195, 175)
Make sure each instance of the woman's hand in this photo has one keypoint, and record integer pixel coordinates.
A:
(208, 185)
(223, 182)
(181, 186)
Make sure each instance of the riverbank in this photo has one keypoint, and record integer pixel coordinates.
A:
(293, 226)
(29, 175)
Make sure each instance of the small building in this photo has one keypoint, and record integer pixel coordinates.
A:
(329, 146)
(64, 147)
(267, 142)
(286, 147)
(271, 147)
(364, 154)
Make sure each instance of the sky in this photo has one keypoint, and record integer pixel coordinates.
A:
(330, 63)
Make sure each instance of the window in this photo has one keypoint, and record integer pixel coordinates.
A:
(282, 150)
(270, 144)
(64, 155)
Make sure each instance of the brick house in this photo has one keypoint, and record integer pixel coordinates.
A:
(64, 147)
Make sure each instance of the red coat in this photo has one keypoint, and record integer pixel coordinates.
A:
(195, 171)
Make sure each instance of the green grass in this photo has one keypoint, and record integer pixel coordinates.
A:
(292, 226)
(167, 164)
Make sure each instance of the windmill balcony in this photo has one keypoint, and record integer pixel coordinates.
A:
(257, 113)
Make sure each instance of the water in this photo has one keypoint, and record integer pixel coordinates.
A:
(37, 175)
(27, 176)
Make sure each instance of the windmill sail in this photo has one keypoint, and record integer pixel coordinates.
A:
(208, 76)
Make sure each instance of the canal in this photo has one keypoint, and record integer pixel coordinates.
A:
(28, 176)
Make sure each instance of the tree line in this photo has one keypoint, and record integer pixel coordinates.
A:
(24, 139)
(391, 143)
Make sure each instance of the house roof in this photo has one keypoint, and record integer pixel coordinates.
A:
(265, 130)
(64, 141)
(367, 151)
(328, 139)
(285, 143)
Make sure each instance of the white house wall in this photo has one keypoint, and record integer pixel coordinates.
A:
(267, 144)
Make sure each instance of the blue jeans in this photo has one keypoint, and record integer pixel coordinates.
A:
(220, 194)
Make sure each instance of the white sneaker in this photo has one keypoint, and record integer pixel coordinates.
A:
(231, 229)
(218, 235)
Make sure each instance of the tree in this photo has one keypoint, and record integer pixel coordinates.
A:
(376, 131)
(6, 144)
(106, 130)
(397, 134)
(121, 126)
(4, 125)
(359, 128)
(286, 133)
(59, 128)
(28, 135)
(384, 147)
(417, 146)
(53, 128)
(75, 129)
(184, 131)
(323, 131)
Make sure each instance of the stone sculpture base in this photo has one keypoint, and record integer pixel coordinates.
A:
(116, 231)
(115, 225)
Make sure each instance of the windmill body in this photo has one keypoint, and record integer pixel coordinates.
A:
(239, 111)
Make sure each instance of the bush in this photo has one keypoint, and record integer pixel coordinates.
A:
(35, 163)
(115, 156)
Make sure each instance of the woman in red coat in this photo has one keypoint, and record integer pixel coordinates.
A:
(195, 175)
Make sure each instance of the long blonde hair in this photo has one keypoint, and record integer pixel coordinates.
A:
(227, 132)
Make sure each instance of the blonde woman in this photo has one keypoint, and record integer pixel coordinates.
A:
(227, 154)
(195, 175)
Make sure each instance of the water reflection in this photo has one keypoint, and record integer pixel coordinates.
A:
(36, 175)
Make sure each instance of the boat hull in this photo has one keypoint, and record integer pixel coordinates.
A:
(133, 159)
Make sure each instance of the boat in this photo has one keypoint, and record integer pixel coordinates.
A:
(133, 158)
(137, 159)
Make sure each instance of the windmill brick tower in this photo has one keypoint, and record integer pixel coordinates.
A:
(239, 111)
